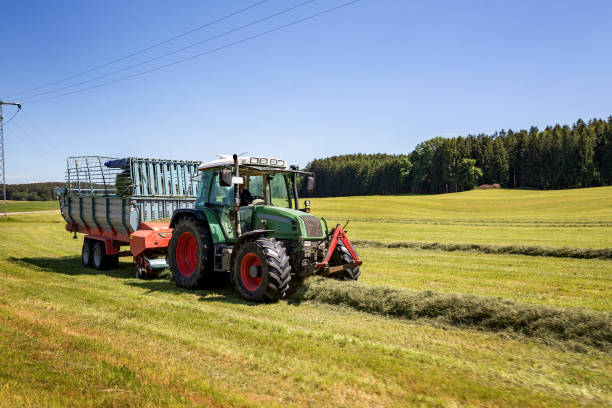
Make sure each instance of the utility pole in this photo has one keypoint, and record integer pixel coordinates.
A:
(2, 168)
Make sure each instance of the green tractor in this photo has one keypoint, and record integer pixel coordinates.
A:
(247, 222)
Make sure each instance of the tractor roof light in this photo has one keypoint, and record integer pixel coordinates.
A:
(227, 160)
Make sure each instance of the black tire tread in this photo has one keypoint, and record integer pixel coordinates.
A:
(346, 257)
(205, 275)
(103, 261)
(279, 270)
(87, 244)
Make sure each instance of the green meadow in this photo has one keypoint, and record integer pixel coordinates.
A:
(578, 218)
(73, 336)
(20, 206)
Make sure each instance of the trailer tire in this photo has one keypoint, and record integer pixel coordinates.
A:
(190, 254)
(99, 260)
(261, 270)
(86, 252)
(343, 256)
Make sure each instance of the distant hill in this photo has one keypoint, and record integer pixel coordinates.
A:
(31, 191)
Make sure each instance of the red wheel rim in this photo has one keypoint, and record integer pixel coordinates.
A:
(186, 254)
(251, 278)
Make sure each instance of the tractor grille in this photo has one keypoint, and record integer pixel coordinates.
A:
(313, 225)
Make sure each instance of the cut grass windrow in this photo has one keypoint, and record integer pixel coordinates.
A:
(482, 222)
(547, 323)
(560, 252)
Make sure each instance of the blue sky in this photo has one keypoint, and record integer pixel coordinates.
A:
(376, 76)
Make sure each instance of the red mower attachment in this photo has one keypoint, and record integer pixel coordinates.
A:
(148, 246)
(151, 235)
(339, 236)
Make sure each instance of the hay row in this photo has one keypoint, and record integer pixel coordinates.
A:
(484, 222)
(560, 252)
(580, 327)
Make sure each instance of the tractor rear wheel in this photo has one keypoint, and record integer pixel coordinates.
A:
(86, 252)
(261, 270)
(342, 256)
(191, 254)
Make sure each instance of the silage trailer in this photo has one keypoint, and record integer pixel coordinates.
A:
(123, 202)
(236, 214)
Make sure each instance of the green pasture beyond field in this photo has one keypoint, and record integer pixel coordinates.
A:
(580, 218)
(19, 206)
(72, 336)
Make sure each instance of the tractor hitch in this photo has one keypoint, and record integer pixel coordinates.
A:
(339, 235)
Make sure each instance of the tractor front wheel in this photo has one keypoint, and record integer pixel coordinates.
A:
(261, 270)
(342, 256)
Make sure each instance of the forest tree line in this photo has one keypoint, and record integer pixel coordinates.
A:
(557, 157)
(31, 191)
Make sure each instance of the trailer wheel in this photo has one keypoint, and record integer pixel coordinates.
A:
(343, 256)
(191, 254)
(261, 270)
(86, 252)
(99, 255)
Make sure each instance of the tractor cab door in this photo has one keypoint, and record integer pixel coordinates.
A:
(221, 201)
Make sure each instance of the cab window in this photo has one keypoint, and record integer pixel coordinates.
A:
(255, 186)
(220, 195)
(279, 190)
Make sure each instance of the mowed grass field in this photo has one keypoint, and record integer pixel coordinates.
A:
(20, 206)
(78, 337)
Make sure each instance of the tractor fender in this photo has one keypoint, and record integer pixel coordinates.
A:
(245, 237)
(177, 214)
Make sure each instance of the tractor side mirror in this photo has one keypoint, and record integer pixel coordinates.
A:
(225, 178)
(310, 184)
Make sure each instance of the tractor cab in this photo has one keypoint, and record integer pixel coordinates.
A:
(262, 191)
(261, 181)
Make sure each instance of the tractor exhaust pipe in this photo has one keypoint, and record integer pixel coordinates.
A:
(237, 196)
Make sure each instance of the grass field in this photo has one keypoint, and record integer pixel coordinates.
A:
(74, 336)
(584, 283)
(18, 206)
(573, 218)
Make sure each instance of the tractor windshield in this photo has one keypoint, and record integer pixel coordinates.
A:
(264, 188)
(272, 189)
(278, 187)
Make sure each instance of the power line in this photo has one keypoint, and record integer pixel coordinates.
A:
(2, 167)
(23, 137)
(40, 135)
(12, 117)
(141, 50)
(231, 44)
(242, 27)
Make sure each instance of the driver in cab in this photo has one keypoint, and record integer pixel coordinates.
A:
(245, 196)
